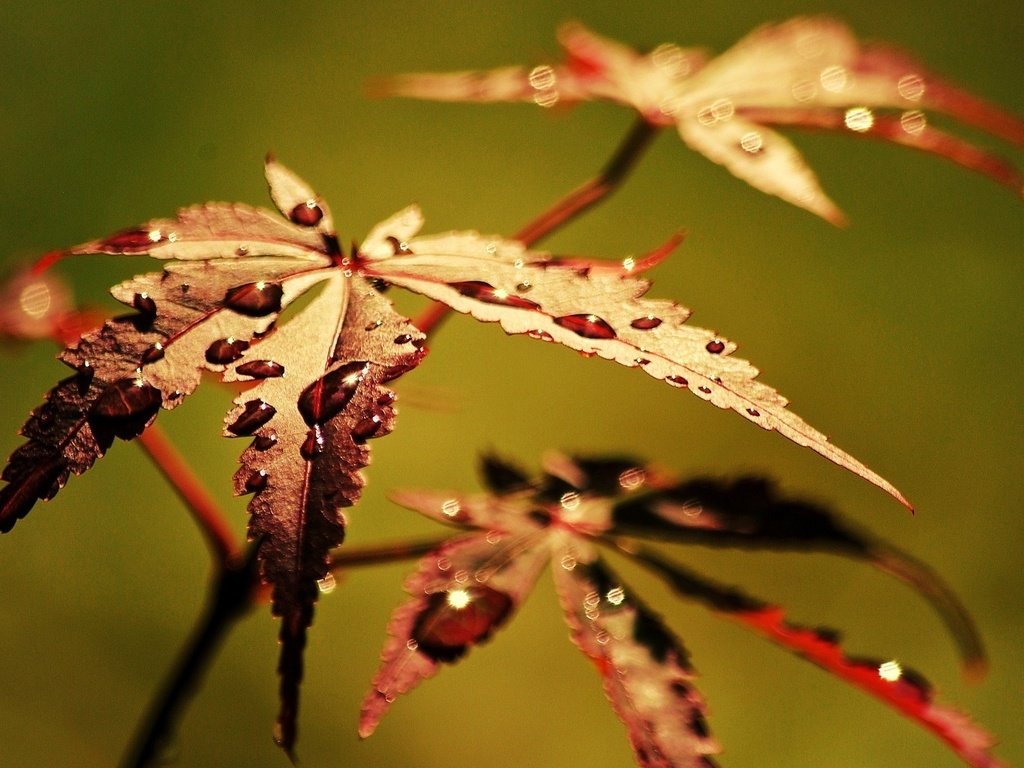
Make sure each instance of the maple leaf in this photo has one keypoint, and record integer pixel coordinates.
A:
(471, 585)
(317, 381)
(809, 72)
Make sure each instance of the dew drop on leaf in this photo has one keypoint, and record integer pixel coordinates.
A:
(313, 445)
(715, 347)
(256, 414)
(327, 397)
(133, 240)
(366, 428)
(487, 293)
(646, 323)
(126, 406)
(265, 442)
(261, 369)
(705, 390)
(144, 304)
(587, 326)
(255, 299)
(154, 353)
(458, 618)
(224, 351)
(256, 482)
(677, 381)
(403, 338)
(307, 214)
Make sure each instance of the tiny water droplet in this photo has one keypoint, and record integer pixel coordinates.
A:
(524, 286)
(705, 390)
(185, 287)
(154, 353)
(715, 347)
(126, 406)
(261, 369)
(224, 351)
(132, 240)
(456, 619)
(487, 293)
(542, 335)
(265, 442)
(386, 399)
(753, 412)
(242, 250)
(327, 583)
(84, 373)
(587, 326)
(443, 564)
(307, 214)
(328, 396)
(568, 562)
(641, 361)
(255, 415)
(677, 381)
(374, 325)
(403, 338)
(144, 304)
(313, 445)
(411, 644)
(646, 323)
(255, 299)
(257, 481)
(367, 428)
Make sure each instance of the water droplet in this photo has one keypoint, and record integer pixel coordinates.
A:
(646, 323)
(569, 500)
(542, 335)
(450, 623)
(265, 442)
(224, 351)
(753, 412)
(487, 293)
(84, 374)
(386, 399)
(255, 299)
(154, 353)
(752, 142)
(242, 250)
(568, 562)
(632, 478)
(803, 90)
(524, 286)
(641, 361)
(587, 326)
(914, 122)
(705, 390)
(132, 240)
(261, 369)
(717, 111)
(403, 338)
(257, 481)
(374, 325)
(859, 119)
(255, 414)
(443, 564)
(313, 445)
(367, 428)
(328, 396)
(451, 508)
(911, 87)
(307, 214)
(185, 287)
(126, 407)
(834, 78)
(715, 347)
(677, 381)
(327, 583)
(144, 304)
(615, 595)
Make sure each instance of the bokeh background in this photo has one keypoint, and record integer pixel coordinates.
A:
(900, 336)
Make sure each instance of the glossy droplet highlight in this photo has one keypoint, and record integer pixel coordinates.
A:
(328, 396)
(307, 214)
(403, 338)
(256, 482)
(313, 445)
(126, 407)
(587, 326)
(144, 304)
(367, 428)
(261, 369)
(154, 353)
(705, 390)
(132, 240)
(487, 293)
(255, 299)
(753, 412)
(542, 335)
(715, 347)
(265, 442)
(255, 414)
(646, 323)
(224, 351)
(677, 381)
(458, 618)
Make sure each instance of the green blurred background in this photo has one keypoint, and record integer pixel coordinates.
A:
(899, 336)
